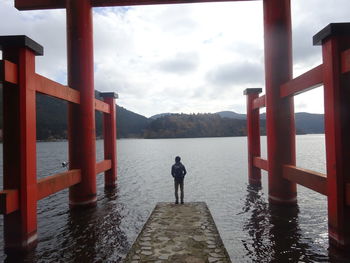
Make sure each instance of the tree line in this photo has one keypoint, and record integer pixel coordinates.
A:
(194, 125)
(52, 123)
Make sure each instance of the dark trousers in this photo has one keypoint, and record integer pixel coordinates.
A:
(179, 182)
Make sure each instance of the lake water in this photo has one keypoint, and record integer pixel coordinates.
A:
(252, 231)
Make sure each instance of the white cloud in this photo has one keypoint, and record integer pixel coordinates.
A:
(45, 27)
(179, 58)
(237, 73)
(181, 63)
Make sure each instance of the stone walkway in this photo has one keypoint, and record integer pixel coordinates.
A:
(179, 234)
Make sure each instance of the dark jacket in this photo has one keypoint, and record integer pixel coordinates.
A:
(178, 170)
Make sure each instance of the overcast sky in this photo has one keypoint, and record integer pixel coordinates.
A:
(179, 58)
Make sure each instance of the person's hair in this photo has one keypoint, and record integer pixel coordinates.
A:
(177, 159)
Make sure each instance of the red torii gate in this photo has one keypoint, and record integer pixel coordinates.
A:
(334, 75)
(280, 112)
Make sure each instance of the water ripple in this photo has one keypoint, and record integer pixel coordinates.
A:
(251, 229)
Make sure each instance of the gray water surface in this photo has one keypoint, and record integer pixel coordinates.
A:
(252, 231)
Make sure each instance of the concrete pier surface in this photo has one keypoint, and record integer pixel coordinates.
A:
(182, 233)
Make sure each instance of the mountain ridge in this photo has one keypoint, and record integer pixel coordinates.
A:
(306, 123)
(52, 122)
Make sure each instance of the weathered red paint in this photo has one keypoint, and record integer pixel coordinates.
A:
(310, 179)
(19, 147)
(110, 138)
(253, 136)
(337, 130)
(305, 82)
(81, 118)
(279, 112)
(55, 183)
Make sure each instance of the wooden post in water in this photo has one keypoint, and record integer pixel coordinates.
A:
(279, 111)
(81, 118)
(110, 138)
(335, 41)
(19, 142)
(253, 136)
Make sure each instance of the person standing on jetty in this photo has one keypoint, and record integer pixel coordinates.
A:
(178, 171)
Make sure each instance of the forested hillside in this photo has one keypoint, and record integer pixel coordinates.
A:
(195, 125)
(52, 123)
(52, 120)
(130, 124)
(309, 123)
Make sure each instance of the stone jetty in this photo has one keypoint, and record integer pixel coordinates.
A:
(179, 234)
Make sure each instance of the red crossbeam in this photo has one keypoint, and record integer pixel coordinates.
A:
(259, 102)
(57, 90)
(103, 166)
(261, 163)
(8, 72)
(345, 61)
(54, 89)
(55, 183)
(309, 80)
(8, 201)
(310, 179)
(102, 106)
(49, 185)
(52, 4)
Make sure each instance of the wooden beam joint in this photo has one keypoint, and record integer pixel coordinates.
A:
(259, 102)
(9, 201)
(55, 183)
(103, 166)
(102, 106)
(261, 163)
(309, 179)
(56, 90)
(8, 72)
(307, 81)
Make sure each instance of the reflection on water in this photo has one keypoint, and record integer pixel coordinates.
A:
(94, 234)
(88, 235)
(275, 235)
(256, 247)
(93, 229)
(285, 234)
(274, 231)
(251, 229)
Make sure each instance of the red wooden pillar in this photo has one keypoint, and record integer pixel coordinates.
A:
(335, 38)
(19, 142)
(253, 136)
(110, 138)
(279, 112)
(81, 118)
